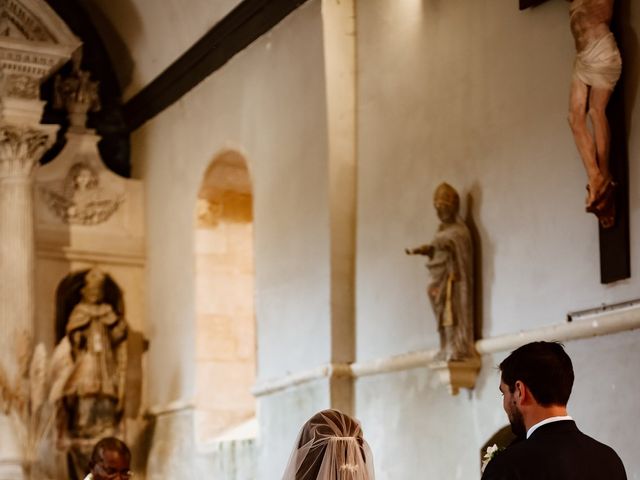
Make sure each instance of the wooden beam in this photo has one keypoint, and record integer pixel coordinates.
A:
(524, 4)
(244, 24)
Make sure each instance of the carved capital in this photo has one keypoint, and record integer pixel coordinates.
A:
(20, 149)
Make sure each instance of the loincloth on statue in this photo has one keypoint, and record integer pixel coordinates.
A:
(599, 64)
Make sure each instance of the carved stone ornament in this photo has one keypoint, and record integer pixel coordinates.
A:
(17, 21)
(21, 148)
(78, 95)
(80, 200)
(34, 43)
(23, 86)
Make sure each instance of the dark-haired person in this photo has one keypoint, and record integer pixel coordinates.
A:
(536, 383)
(110, 460)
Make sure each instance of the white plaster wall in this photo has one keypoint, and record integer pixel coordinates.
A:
(267, 103)
(474, 93)
(144, 37)
(281, 416)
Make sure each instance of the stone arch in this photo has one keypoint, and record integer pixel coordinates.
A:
(225, 312)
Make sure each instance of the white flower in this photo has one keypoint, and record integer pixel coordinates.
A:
(488, 456)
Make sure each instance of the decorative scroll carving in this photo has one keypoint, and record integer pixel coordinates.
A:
(81, 200)
(24, 71)
(21, 148)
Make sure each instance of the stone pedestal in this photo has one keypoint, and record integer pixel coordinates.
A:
(458, 374)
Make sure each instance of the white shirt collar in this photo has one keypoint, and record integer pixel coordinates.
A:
(545, 421)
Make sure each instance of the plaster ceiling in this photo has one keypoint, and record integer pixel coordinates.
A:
(143, 37)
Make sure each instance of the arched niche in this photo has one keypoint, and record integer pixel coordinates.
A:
(225, 312)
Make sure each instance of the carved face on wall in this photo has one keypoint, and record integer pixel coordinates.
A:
(84, 179)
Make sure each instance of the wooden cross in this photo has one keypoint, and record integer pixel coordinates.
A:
(615, 251)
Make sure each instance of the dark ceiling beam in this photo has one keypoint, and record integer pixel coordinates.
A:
(244, 24)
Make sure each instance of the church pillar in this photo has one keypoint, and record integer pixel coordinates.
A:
(34, 43)
(340, 77)
(21, 146)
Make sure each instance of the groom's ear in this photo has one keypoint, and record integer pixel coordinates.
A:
(520, 392)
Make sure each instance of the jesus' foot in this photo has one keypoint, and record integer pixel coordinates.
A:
(598, 192)
(603, 205)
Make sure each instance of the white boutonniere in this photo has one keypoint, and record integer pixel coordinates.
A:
(489, 455)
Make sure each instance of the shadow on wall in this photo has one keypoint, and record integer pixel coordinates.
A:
(483, 250)
(116, 46)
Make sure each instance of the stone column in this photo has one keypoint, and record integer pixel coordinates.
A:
(21, 147)
(33, 46)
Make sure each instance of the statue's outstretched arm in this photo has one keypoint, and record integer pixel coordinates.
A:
(421, 250)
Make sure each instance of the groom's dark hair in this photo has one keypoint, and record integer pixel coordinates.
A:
(544, 367)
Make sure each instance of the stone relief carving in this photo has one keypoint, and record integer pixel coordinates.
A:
(21, 148)
(90, 364)
(81, 200)
(23, 86)
(450, 290)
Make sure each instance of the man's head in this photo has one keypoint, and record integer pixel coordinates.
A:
(447, 202)
(110, 460)
(536, 378)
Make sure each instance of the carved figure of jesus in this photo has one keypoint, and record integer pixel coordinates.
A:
(596, 71)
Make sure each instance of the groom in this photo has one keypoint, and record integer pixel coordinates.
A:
(536, 383)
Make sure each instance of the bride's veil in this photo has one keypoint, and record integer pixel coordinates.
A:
(330, 446)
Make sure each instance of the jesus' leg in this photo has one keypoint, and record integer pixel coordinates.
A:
(584, 139)
(598, 100)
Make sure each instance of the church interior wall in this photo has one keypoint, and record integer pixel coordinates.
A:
(147, 36)
(476, 94)
(282, 136)
(472, 93)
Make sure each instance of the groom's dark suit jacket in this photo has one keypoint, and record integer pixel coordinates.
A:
(556, 451)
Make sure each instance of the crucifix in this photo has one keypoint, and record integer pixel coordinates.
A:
(597, 101)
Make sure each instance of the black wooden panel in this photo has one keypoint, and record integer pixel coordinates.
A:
(524, 4)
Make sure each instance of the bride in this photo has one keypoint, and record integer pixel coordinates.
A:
(330, 446)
